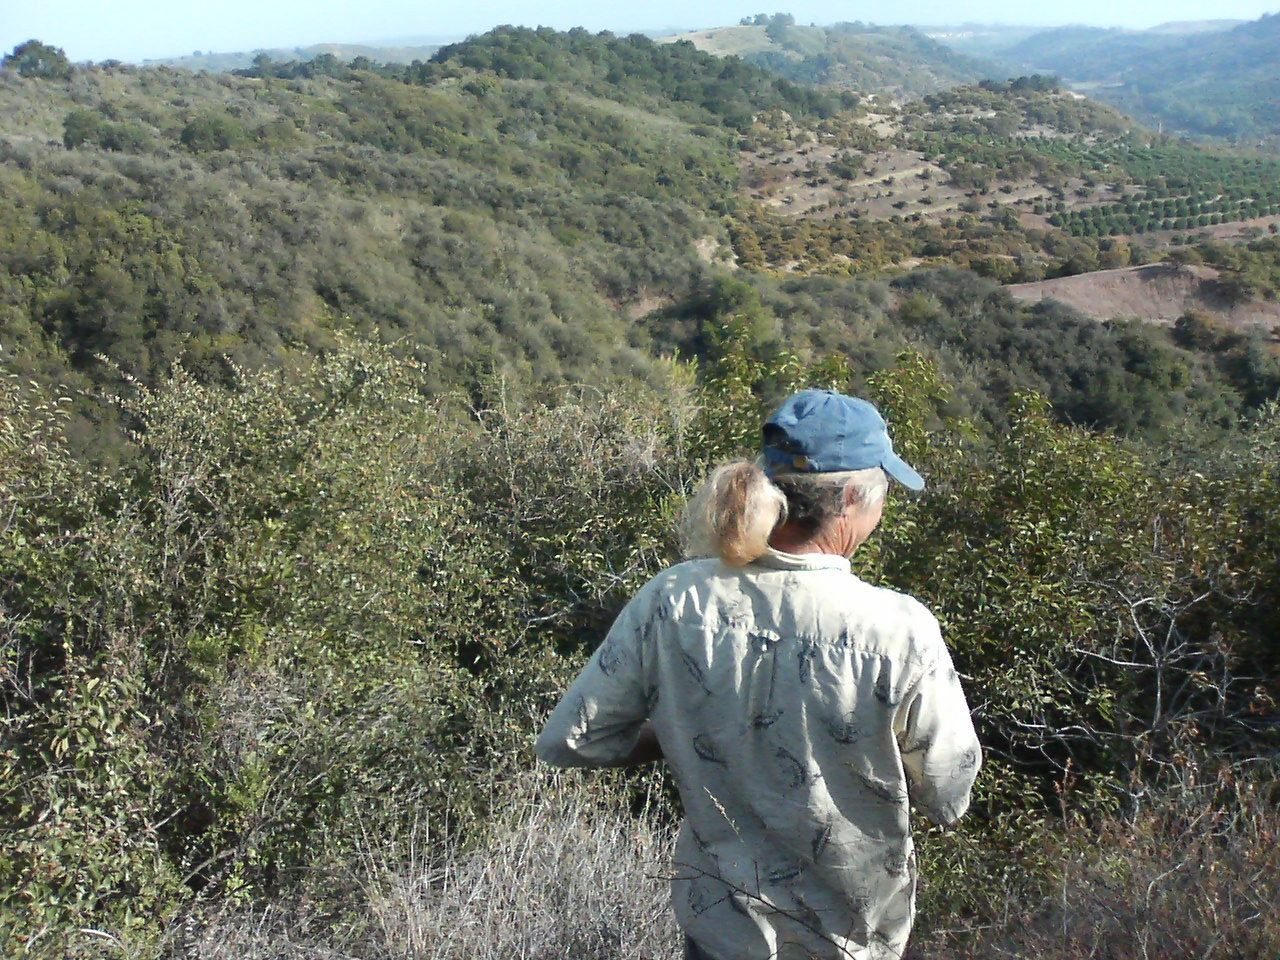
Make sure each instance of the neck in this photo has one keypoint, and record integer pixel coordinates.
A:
(791, 539)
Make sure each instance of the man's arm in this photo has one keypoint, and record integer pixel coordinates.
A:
(602, 719)
(941, 754)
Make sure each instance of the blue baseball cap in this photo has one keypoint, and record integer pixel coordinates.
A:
(819, 431)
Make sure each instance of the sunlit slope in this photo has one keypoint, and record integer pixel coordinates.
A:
(891, 62)
(488, 218)
(1019, 181)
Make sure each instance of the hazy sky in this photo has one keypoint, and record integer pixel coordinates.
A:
(137, 29)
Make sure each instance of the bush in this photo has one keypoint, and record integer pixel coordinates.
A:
(317, 606)
(212, 131)
(36, 59)
(305, 612)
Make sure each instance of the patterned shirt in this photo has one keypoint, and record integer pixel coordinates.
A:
(800, 711)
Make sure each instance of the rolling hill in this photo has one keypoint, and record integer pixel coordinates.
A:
(1210, 79)
(891, 62)
(555, 207)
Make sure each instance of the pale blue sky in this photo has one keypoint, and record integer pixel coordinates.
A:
(138, 29)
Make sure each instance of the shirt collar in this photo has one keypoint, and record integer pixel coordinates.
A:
(778, 560)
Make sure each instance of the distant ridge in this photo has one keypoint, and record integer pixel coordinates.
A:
(1215, 78)
(1184, 27)
(894, 61)
(239, 60)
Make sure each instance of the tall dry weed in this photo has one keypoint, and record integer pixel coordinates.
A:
(566, 870)
(570, 871)
(1194, 873)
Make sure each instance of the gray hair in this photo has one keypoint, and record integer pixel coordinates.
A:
(733, 514)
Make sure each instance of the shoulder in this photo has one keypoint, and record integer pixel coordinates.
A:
(682, 578)
(899, 618)
(670, 591)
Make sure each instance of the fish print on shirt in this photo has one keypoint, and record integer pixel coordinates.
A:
(896, 863)
(964, 766)
(582, 733)
(763, 721)
(696, 672)
(783, 875)
(820, 841)
(806, 655)
(706, 750)
(845, 729)
(881, 790)
(611, 658)
(796, 771)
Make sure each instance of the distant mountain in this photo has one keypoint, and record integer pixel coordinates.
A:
(1088, 53)
(346, 52)
(1185, 27)
(899, 62)
(983, 40)
(1206, 79)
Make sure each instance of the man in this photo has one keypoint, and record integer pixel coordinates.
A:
(800, 709)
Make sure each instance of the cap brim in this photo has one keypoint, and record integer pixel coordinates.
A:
(897, 468)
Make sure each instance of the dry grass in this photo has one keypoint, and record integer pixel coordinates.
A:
(1196, 874)
(570, 872)
(567, 871)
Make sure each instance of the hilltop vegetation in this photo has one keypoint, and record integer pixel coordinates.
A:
(344, 52)
(520, 202)
(892, 62)
(1221, 81)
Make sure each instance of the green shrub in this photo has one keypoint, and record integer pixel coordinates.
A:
(212, 131)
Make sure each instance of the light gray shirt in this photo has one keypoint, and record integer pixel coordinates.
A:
(800, 710)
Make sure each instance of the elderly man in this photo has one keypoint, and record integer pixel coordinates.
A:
(800, 709)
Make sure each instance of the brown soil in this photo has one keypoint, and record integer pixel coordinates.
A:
(1158, 293)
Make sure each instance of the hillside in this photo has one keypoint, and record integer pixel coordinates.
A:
(890, 62)
(512, 223)
(1009, 179)
(556, 207)
(1156, 293)
(1222, 80)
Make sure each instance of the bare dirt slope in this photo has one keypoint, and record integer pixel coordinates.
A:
(1159, 293)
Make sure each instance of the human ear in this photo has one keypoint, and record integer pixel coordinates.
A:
(850, 496)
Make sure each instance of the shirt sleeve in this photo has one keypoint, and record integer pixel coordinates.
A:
(597, 721)
(940, 750)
